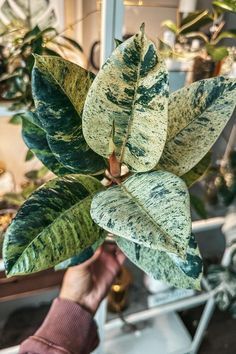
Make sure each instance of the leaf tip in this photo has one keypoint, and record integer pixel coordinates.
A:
(142, 28)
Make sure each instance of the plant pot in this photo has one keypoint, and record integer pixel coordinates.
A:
(204, 68)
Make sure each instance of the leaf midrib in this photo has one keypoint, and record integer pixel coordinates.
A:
(44, 230)
(50, 225)
(141, 206)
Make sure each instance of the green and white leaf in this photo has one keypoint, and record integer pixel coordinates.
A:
(35, 138)
(197, 115)
(53, 225)
(82, 257)
(151, 209)
(166, 266)
(59, 90)
(127, 103)
(198, 171)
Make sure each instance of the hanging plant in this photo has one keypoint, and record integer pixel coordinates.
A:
(122, 119)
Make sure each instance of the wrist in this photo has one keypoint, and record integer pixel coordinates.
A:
(89, 306)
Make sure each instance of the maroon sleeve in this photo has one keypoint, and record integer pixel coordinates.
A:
(67, 329)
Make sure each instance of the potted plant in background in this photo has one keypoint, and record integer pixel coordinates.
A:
(208, 28)
(22, 36)
(122, 123)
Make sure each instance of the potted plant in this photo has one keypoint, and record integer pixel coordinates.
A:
(121, 123)
(209, 54)
(23, 36)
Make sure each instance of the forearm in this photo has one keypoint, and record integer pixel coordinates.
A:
(67, 329)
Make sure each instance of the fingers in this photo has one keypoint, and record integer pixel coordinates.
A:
(120, 256)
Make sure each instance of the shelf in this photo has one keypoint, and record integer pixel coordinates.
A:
(166, 332)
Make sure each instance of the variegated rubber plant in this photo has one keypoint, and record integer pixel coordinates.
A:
(124, 117)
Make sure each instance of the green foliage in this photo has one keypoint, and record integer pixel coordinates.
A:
(225, 180)
(198, 171)
(59, 225)
(156, 215)
(197, 115)
(226, 5)
(191, 27)
(217, 53)
(166, 266)
(59, 90)
(123, 115)
(198, 205)
(227, 34)
(130, 93)
(35, 138)
(19, 61)
(29, 155)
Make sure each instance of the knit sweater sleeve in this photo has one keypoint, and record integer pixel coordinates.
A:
(67, 329)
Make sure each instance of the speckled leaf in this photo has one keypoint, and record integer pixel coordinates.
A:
(198, 171)
(54, 224)
(82, 257)
(59, 90)
(35, 138)
(149, 208)
(128, 102)
(197, 115)
(167, 266)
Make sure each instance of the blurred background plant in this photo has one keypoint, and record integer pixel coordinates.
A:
(11, 200)
(28, 31)
(199, 36)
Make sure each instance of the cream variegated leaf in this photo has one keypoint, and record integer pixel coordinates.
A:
(149, 208)
(197, 115)
(59, 89)
(166, 266)
(127, 102)
(53, 225)
(83, 256)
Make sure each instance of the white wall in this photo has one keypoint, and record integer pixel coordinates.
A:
(13, 150)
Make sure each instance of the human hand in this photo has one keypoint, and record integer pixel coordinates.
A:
(88, 283)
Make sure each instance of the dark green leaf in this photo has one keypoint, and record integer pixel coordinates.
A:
(166, 266)
(117, 42)
(29, 155)
(16, 119)
(231, 33)
(198, 205)
(194, 21)
(82, 257)
(13, 199)
(198, 171)
(53, 225)
(73, 43)
(228, 5)
(35, 138)
(217, 53)
(37, 174)
(59, 90)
